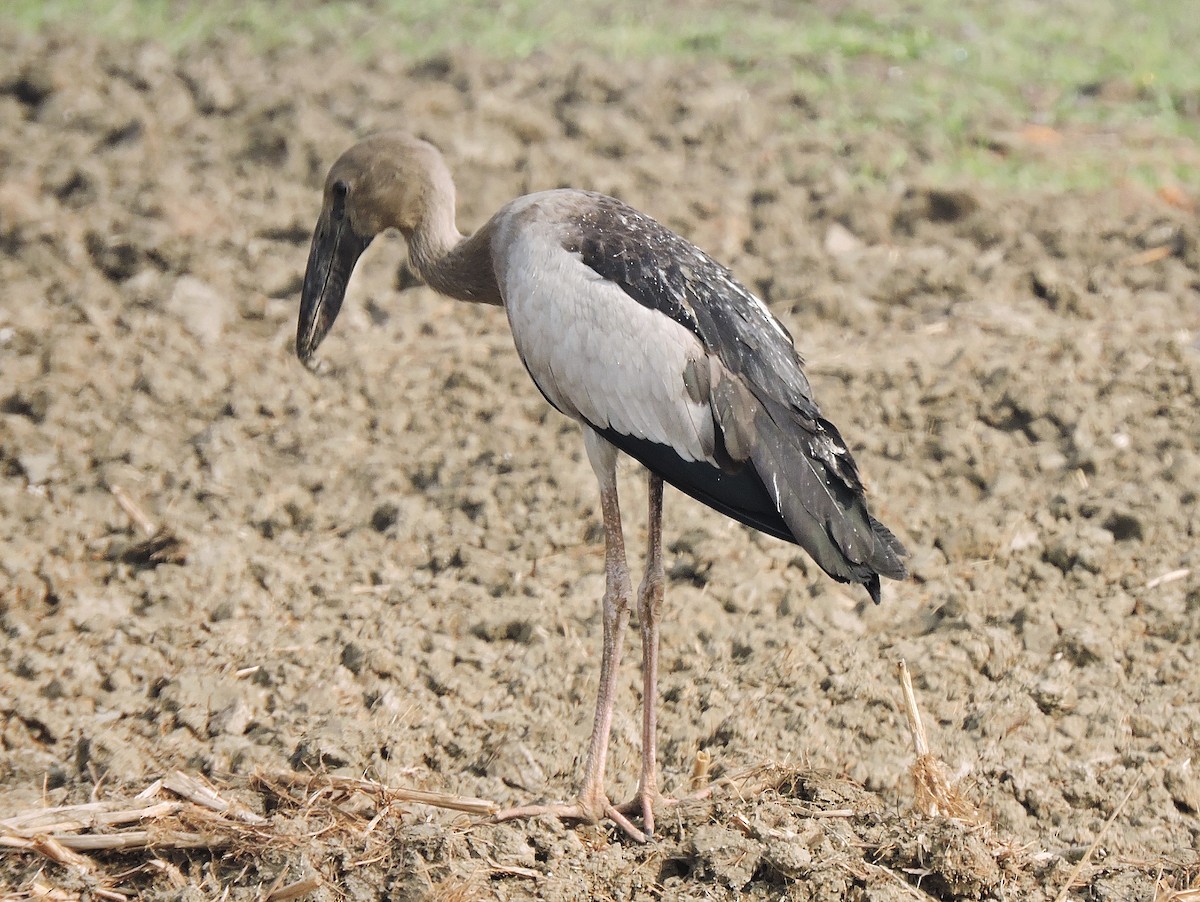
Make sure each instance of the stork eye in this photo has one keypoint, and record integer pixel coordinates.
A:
(337, 193)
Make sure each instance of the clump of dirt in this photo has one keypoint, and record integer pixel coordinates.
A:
(393, 569)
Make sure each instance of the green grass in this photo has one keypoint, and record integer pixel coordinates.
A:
(947, 71)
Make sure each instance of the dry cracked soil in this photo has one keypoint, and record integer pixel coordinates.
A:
(391, 568)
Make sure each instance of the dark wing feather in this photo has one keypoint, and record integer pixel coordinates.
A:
(801, 483)
(663, 271)
(626, 248)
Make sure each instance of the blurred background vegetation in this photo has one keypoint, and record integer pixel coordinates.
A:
(1091, 93)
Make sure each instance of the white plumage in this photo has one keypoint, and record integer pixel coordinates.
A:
(583, 340)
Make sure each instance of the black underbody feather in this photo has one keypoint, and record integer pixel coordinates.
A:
(740, 495)
(800, 482)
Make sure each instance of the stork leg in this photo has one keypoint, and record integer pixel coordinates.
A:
(650, 597)
(593, 802)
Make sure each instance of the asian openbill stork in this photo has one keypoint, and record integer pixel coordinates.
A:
(655, 349)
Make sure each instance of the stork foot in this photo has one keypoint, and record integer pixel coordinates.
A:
(590, 811)
(645, 803)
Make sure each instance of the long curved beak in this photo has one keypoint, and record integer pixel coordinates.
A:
(336, 247)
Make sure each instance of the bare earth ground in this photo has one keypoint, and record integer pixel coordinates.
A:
(392, 569)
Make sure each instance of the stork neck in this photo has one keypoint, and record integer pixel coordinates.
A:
(453, 265)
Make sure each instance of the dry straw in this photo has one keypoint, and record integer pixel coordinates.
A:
(935, 795)
(181, 811)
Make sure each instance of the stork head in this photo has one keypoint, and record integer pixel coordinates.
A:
(389, 180)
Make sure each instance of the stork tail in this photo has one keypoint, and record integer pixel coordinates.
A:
(813, 480)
